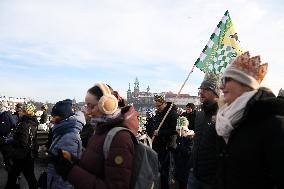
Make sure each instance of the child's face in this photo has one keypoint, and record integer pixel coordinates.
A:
(184, 132)
(56, 119)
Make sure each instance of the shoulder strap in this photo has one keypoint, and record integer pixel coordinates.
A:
(110, 135)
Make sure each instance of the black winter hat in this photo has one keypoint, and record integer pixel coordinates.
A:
(62, 109)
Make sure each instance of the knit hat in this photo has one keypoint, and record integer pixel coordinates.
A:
(211, 82)
(62, 109)
(246, 70)
(29, 108)
(159, 98)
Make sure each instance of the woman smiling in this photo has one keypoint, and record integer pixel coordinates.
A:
(251, 129)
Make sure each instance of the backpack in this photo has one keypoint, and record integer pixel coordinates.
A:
(145, 172)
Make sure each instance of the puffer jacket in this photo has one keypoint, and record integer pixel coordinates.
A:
(96, 172)
(203, 158)
(66, 137)
(253, 157)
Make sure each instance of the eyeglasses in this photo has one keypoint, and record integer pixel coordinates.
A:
(90, 106)
(224, 80)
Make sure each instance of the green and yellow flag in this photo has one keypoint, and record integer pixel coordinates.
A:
(221, 49)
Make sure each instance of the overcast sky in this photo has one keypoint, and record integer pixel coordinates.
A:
(56, 49)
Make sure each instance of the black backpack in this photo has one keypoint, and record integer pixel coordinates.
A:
(145, 172)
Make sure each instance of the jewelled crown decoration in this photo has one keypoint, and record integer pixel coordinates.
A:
(251, 66)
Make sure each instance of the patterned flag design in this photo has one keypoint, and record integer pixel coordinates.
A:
(222, 47)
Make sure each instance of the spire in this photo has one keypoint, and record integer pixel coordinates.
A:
(148, 89)
(136, 84)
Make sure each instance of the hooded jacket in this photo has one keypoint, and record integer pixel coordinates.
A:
(96, 172)
(253, 156)
(66, 137)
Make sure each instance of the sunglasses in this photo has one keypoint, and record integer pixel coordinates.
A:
(224, 80)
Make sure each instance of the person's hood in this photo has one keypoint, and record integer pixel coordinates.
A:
(73, 124)
(78, 116)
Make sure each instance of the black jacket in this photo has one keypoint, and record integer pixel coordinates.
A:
(191, 119)
(149, 125)
(7, 122)
(182, 154)
(167, 130)
(204, 160)
(43, 117)
(24, 137)
(254, 154)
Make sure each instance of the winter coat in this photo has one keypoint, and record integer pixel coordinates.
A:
(43, 117)
(182, 155)
(204, 160)
(66, 137)
(167, 130)
(149, 125)
(114, 172)
(254, 154)
(86, 133)
(24, 137)
(7, 122)
(191, 118)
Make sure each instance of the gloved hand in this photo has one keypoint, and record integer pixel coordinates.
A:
(62, 165)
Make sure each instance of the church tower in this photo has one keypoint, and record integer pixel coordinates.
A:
(136, 87)
(128, 93)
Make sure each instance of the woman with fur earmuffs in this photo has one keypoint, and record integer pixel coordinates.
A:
(93, 170)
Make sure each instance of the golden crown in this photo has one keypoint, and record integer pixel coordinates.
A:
(251, 66)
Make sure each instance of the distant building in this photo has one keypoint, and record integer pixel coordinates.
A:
(12, 101)
(182, 99)
(143, 100)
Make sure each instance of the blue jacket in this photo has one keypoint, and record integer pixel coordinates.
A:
(66, 137)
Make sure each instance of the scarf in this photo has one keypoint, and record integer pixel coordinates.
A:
(229, 115)
(105, 118)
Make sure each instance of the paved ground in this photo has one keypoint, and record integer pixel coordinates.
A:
(40, 166)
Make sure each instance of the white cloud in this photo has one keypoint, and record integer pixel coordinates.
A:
(148, 39)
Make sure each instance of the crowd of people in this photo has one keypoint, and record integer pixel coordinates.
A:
(236, 139)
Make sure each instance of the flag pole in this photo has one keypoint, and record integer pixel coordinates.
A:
(182, 86)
